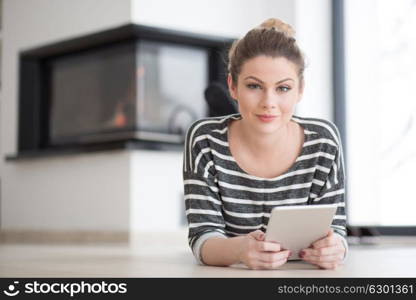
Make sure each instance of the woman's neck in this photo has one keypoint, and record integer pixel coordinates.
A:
(264, 143)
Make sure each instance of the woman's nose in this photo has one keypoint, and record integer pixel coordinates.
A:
(269, 100)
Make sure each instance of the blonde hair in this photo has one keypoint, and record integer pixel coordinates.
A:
(272, 38)
(278, 25)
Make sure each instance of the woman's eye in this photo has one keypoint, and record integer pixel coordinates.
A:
(284, 88)
(253, 86)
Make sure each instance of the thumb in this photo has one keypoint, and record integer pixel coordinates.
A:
(258, 235)
(331, 232)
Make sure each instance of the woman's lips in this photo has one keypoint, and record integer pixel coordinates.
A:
(267, 118)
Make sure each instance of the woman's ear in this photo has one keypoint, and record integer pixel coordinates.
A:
(231, 87)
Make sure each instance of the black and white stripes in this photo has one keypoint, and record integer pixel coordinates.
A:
(221, 197)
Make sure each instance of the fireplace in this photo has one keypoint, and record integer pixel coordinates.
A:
(128, 84)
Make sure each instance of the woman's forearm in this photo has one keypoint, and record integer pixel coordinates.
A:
(222, 252)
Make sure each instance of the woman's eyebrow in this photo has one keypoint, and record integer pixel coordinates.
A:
(280, 81)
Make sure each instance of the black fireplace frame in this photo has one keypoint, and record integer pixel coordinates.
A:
(33, 112)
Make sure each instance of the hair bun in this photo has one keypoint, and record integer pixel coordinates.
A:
(278, 25)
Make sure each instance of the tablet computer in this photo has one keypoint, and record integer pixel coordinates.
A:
(297, 227)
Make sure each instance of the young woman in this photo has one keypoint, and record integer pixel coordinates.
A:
(237, 168)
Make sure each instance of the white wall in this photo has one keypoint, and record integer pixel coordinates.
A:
(229, 18)
(314, 35)
(117, 190)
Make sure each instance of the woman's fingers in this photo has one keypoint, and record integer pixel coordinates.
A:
(272, 265)
(326, 253)
(268, 246)
(330, 240)
(329, 265)
(327, 257)
(264, 255)
(258, 235)
(273, 256)
(323, 259)
(332, 250)
(330, 262)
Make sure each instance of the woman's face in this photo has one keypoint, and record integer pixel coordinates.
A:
(267, 92)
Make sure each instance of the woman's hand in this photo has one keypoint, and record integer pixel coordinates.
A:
(258, 254)
(327, 253)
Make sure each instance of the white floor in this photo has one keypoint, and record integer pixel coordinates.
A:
(168, 255)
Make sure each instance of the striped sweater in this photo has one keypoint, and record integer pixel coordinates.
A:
(223, 200)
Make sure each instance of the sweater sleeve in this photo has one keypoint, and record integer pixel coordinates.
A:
(333, 192)
(202, 200)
